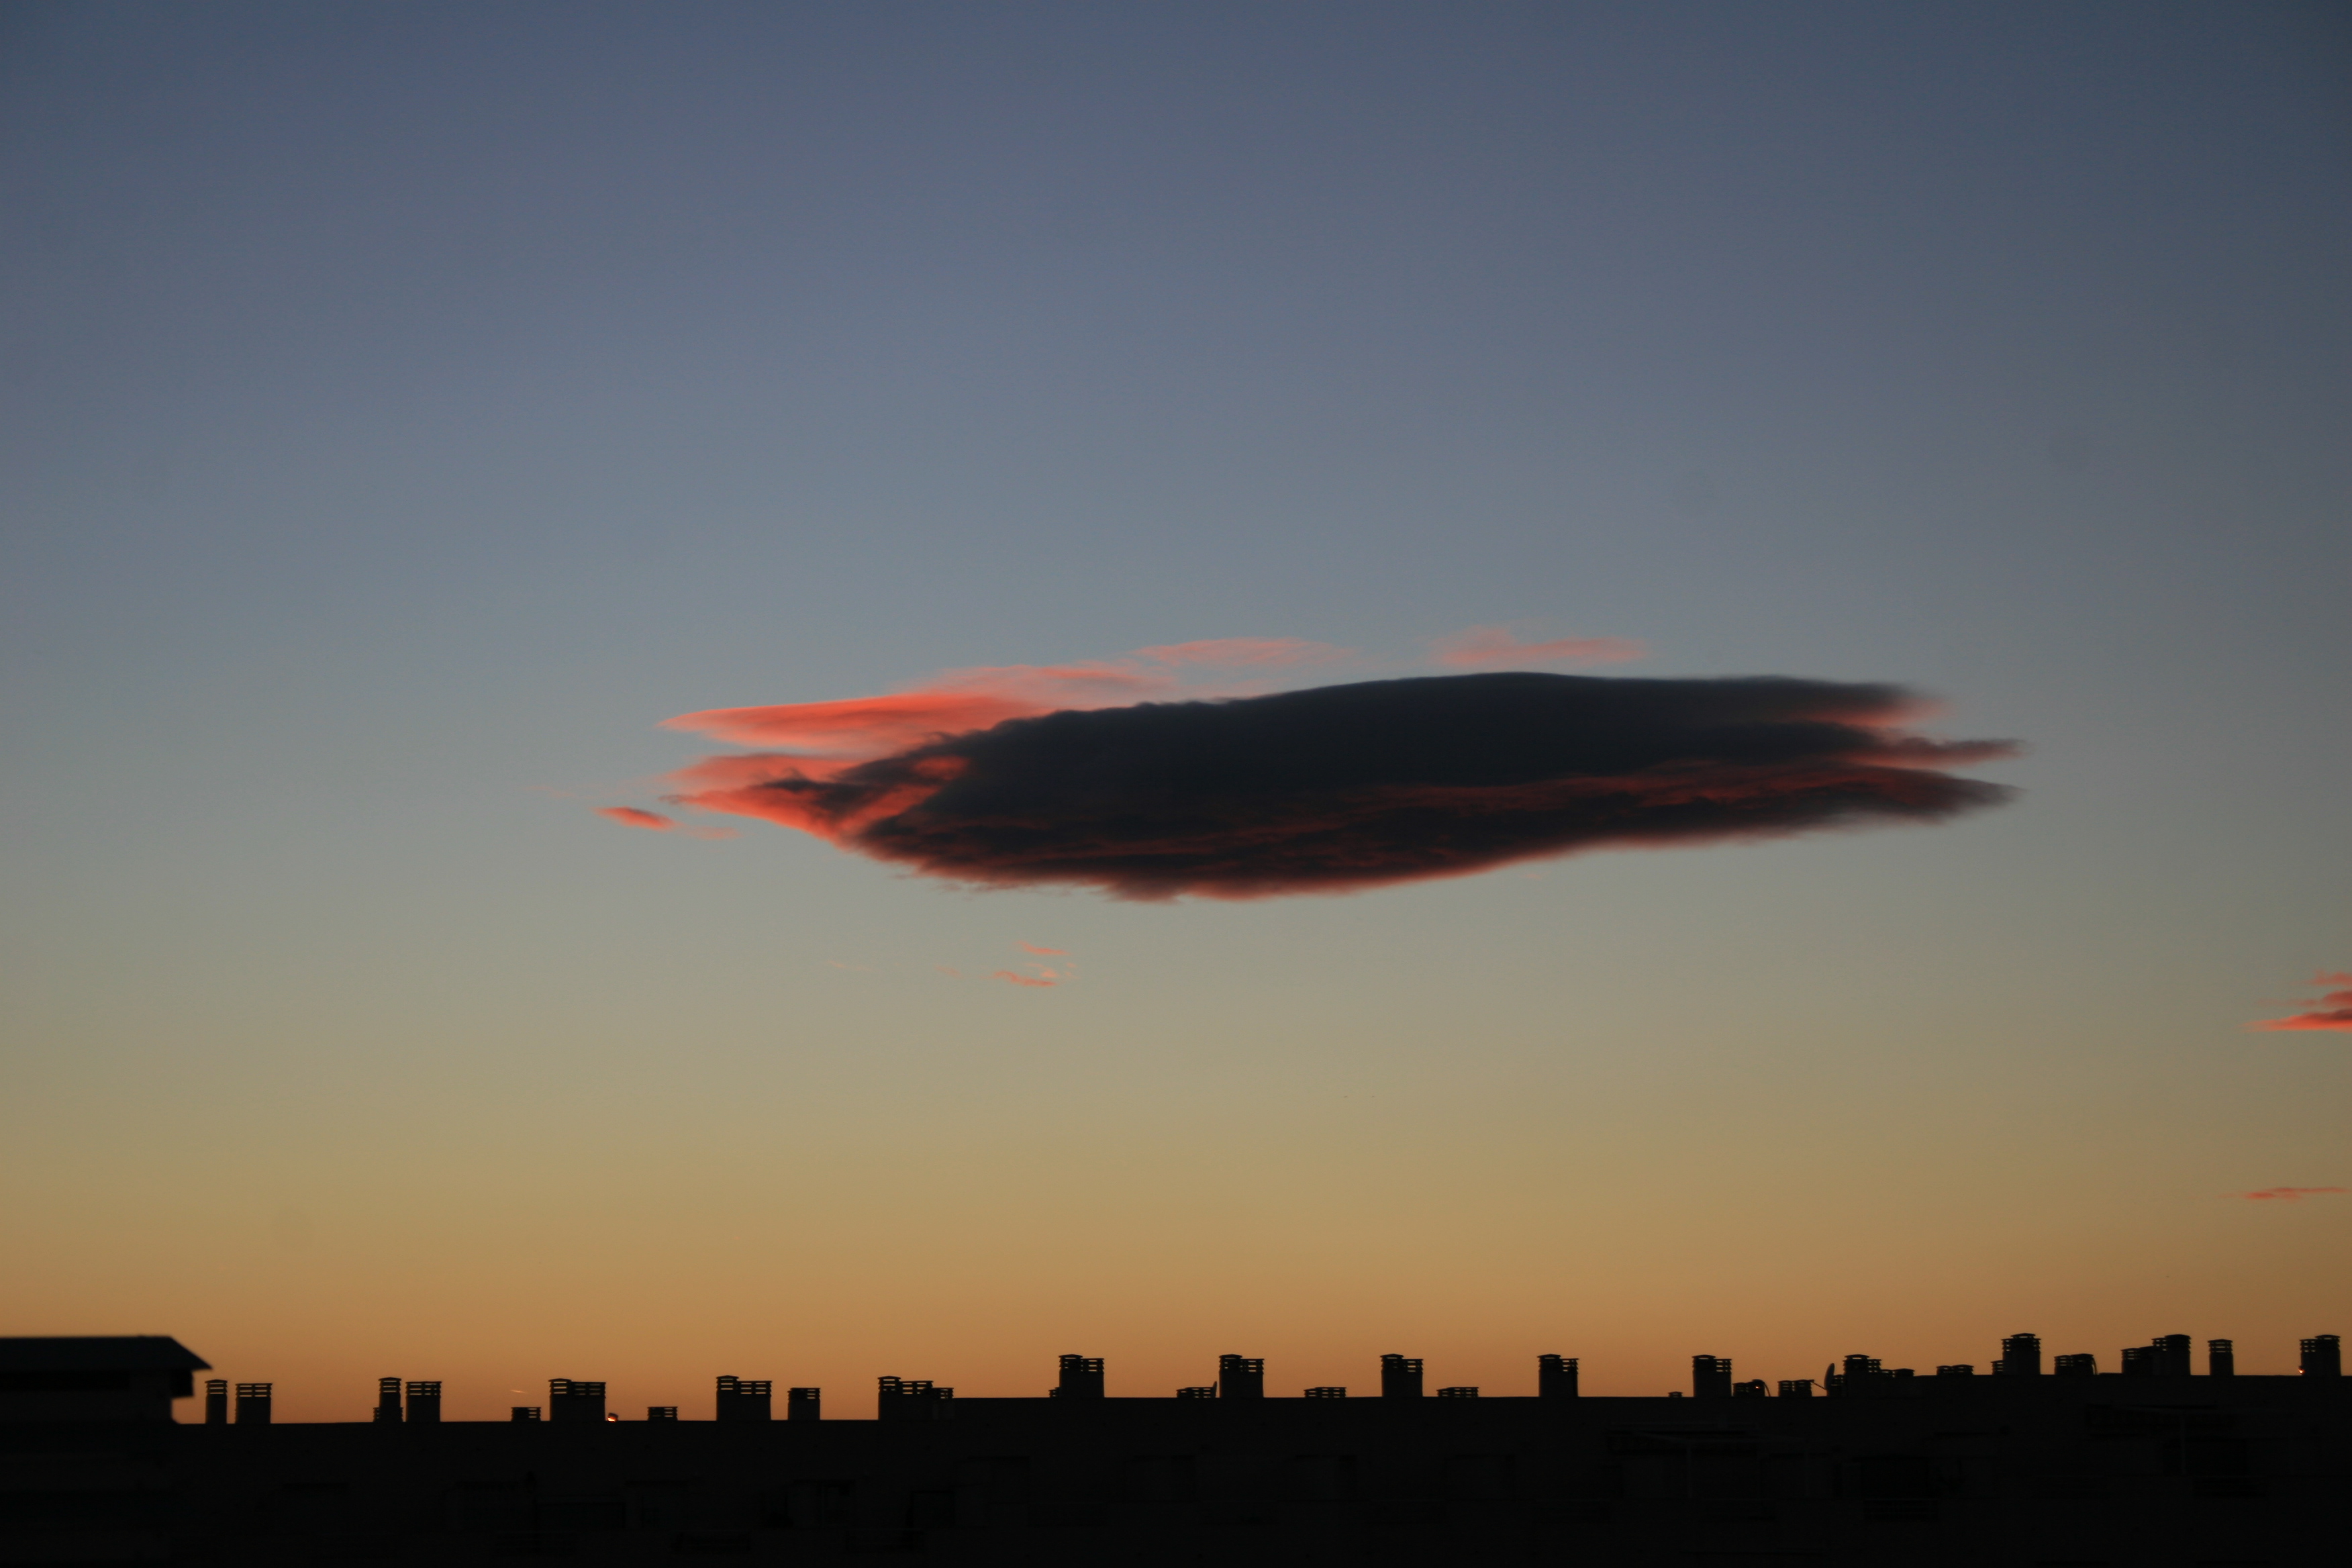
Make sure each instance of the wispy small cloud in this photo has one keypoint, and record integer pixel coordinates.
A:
(1043, 981)
(2330, 1010)
(1481, 647)
(630, 817)
(2291, 1195)
(1234, 653)
(1043, 952)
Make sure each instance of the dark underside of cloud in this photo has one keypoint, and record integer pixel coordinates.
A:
(1344, 787)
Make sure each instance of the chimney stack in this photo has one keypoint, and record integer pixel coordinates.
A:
(215, 1401)
(2220, 1359)
(1241, 1377)
(1400, 1377)
(253, 1405)
(569, 1399)
(1555, 1377)
(387, 1399)
(909, 1399)
(1710, 1377)
(1082, 1378)
(745, 1399)
(2323, 1356)
(803, 1403)
(2021, 1356)
(424, 1401)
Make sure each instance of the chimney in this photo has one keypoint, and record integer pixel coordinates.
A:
(908, 1399)
(215, 1401)
(1754, 1388)
(525, 1413)
(2021, 1356)
(1241, 1377)
(387, 1399)
(1197, 1391)
(1555, 1377)
(424, 1401)
(2323, 1356)
(1710, 1377)
(253, 1405)
(1796, 1388)
(1861, 1372)
(2076, 1367)
(745, 1399)
(1082, 1378)
(1459, 1391)
(2220, 1359)
(1400, 1377)
(1326, 1391)
(2140, 1361)
(2172, 1355)
(569, 1400)
(1957, 1369)
(803, 1403)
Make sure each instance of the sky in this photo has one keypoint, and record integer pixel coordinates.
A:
(410, 408)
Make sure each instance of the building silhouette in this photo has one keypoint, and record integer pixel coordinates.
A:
(134, 1378)
(1867, 1464)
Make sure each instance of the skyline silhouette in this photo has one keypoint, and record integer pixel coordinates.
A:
(1866, 1462)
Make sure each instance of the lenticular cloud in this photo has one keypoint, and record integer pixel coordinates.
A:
(1074, 777)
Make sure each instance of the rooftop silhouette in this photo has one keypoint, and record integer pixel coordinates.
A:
(2153, 1460)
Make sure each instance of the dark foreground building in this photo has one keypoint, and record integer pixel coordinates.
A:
(2151, 1468)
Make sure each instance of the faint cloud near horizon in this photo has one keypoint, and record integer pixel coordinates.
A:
(2291, 1195)
(1039, 976)
(2330, 1010)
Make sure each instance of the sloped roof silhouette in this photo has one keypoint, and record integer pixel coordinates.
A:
(116, 1353)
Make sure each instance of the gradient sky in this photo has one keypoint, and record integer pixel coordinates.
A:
(408, 408)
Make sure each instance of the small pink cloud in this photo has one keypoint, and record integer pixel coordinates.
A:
(2330, 1010)
(1043, 952)
(2291, 1195)
(630, 817)
(1046, 980)
(1234, 652)
(1482, 646)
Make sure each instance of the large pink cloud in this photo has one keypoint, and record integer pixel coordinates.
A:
(2331, 1010)
(1119, 777)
